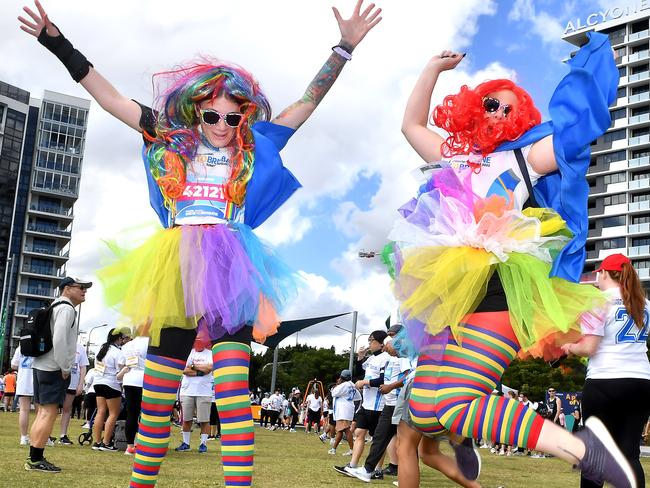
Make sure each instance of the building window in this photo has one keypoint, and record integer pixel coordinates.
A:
(643, 197)
(641, 219)
(617, 243)
(615, 135)
(618, 114)
(611, 157)
(641, 241)
(641, 176)
(644, 264)
(614, 178)
(614, 221)
(621, 92)
(614, 199)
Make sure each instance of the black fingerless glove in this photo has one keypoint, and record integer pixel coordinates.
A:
(75, 62)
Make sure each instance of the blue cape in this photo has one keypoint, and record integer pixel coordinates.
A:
(580, 114)
(270, 186)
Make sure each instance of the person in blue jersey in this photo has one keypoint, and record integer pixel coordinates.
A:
(212, 156)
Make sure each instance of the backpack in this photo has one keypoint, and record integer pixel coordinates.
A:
(36, 334)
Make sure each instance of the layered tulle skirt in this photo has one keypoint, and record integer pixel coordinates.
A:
(447, 245)
(218, 278)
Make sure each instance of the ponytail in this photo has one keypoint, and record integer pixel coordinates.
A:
(111, 338)
(632, 292)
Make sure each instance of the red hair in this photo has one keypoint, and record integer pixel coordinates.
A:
(463, 117)
(632, 292)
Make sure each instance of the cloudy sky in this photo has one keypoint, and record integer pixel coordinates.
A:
(350, 156)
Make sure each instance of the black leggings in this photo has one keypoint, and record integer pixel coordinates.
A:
(133, 396)
(90, 405)
(214, 417)
(623, 404)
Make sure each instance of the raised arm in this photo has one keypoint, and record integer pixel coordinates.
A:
(80, 69)
(353, 30)
(416, 116)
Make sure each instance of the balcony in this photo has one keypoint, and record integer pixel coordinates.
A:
(42, 270)
(638, 206)
(639, 97)
(639, 184)
(46, 229)
(643, 139)
(41, 291)
(639, 250)
(60, 147)
(637, 56)
(637, 162)
(644, 75)
(58, 189)
(638, 228)
(52, 210)
(637, 119)
(45, 250)
(637, 35)
(22, 311)
(644, 273)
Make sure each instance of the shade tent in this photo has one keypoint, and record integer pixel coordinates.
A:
(289, 327)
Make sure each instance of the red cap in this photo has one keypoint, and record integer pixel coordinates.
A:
(614, 262)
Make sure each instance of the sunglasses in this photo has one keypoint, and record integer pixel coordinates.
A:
(492, 105)
(212, 117)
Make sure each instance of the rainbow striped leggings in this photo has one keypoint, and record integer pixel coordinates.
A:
(452, 389)
(162, 377)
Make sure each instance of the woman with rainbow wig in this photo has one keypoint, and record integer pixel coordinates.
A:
(211, 152)
(486, 260)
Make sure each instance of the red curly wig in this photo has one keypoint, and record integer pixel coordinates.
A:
(463, 117)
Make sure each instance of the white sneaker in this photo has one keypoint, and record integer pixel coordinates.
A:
(86, 425)
(359, 473)
(395, 483)
(50, 442)
(331, 451)
(347, 453)
(24, 440)
(292, 430)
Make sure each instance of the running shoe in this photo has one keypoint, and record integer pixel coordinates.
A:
(468, 458)
(331, 451)
(44, 466)
(65, 441)
(359, 472)
(130, 451)
(603, 460)
(183, 448)
(96, 446)
(390, 470)
(342, 470)
(203, 448)
(108, 448)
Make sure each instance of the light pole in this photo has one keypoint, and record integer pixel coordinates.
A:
(90, 333)
(355, 339)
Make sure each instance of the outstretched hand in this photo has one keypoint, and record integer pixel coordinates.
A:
(39, 20)
(354, 29)
(447, 60)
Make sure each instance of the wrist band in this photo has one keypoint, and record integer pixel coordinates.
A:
(342, 52)
(75, 62)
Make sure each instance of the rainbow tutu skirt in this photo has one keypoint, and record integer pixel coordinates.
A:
(449, 242)
(218, 278)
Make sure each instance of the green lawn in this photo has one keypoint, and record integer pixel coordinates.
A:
(283, 460)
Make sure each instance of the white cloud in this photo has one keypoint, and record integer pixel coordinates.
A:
(354, 132)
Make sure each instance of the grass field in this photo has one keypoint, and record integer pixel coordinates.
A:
(282, 460)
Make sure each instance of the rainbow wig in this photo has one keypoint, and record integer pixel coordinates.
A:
(463, 117)
(177, 137)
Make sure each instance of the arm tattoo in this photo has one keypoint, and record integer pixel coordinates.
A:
(320, 85)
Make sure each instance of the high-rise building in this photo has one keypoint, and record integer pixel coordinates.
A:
(41, 153)
(619, 174)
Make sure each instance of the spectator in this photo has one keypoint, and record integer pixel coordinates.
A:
(314, 406)
(24, 391)
(577, 421)
(52, 370)
(196, 394)
(294, 405)
(344, 395)
(77, 376)
(554, 407)
(264, 410)
(131, 375)
(215, 421)
(108, 389)
(90, 397)
(10, 390)
(393, 380)
(275, 406)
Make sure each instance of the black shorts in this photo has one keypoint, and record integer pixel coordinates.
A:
(331, 419)
(49, 387)
(367, 419)
(105, 391)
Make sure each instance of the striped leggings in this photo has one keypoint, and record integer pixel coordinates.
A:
(452, 389)
(162, 378)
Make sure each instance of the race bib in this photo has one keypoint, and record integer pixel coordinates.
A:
(100, 368)
(132, 361)
(203, 191)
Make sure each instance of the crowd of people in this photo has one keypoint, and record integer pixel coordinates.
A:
(485, 260)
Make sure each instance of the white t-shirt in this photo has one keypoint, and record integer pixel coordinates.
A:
(622, 352)
(106, 370)
(198, 385)
(204, 199)
(396, 370)
(343, 396)
(314, 403)
(266, 401)
(25, 378)
(374, 366)
(499, 173)
(275, 403)
(89, 381)
(80, 359)
(134, 353)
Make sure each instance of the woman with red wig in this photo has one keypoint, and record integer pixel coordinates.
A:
(487, 257)
(617, 389)
(212, 157)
